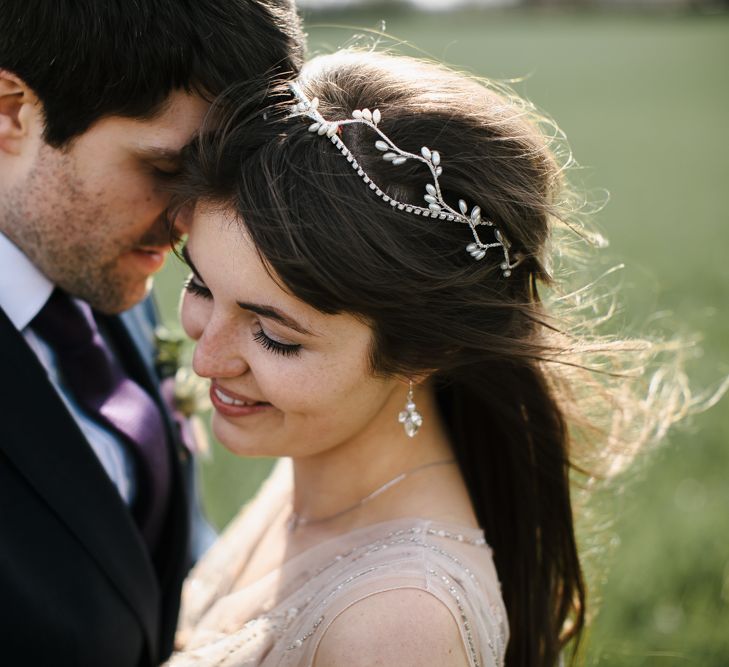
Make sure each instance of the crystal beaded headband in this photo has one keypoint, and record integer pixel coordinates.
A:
(437, 207)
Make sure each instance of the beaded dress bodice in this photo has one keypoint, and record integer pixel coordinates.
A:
(280, 619)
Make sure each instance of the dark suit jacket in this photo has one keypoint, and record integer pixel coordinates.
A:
(77, 584)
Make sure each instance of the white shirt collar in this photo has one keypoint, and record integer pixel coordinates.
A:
(24, 290)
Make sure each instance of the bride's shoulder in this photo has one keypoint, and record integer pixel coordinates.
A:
(406, 626)
(421, 593)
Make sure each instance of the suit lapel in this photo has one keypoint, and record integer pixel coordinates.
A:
(44, 443)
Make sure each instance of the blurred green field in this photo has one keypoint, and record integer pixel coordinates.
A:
(644, 101)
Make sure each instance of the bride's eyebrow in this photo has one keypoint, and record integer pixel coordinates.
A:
(268, 312)
(274, 314)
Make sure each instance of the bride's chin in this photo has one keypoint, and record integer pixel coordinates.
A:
(240, 441)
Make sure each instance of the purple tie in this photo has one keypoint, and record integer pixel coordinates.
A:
(108, 395)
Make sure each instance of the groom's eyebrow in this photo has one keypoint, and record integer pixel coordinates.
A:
(264, 311)
(160, 154)
(164, 152)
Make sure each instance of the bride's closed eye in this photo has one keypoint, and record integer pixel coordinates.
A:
(275, 346)
(195, 288)
(192, 286)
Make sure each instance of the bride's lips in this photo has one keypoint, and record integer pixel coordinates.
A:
(231, 404)
(150, 259)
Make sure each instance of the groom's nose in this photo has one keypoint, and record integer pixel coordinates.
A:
(181, 224)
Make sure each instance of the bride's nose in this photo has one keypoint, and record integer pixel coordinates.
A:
(219, 350)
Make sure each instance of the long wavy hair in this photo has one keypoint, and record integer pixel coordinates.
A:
(522, 385)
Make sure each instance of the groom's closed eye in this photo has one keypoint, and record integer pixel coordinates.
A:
(165, 162)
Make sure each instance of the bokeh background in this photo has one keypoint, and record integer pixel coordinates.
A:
(642, 93)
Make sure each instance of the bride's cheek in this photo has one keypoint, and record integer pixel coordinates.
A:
(290, 392)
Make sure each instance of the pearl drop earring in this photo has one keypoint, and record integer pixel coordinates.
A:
(410, 418)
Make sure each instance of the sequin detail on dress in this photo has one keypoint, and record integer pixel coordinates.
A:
(311, 590)
(400, 537)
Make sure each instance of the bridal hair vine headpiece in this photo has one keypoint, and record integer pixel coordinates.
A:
(437, 208)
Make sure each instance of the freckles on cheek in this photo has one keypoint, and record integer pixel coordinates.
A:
(329, 388)
(286, 383)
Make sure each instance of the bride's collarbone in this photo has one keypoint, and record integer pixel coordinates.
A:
(447, 502)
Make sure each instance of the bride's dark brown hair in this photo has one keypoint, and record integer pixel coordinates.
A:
(510, 377)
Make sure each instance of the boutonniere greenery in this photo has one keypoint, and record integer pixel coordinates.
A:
(187, 393)
(191, 391)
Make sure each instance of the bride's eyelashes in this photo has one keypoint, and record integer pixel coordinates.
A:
(192, 286)
(195, 288)
(276, 346)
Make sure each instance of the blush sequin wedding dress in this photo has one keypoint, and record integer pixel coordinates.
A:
(280, 618)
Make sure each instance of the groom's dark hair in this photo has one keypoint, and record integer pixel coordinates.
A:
(87, 59)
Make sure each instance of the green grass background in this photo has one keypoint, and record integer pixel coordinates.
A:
(644, 101)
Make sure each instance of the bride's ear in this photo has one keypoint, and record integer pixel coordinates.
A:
(418, 380)
(20, 113)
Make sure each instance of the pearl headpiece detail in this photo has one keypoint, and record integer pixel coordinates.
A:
(436, 207)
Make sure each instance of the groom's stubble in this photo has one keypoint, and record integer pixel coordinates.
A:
(63, 231)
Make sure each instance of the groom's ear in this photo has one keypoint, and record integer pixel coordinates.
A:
(19, 112)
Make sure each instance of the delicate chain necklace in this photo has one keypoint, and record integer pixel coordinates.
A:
(296, 520)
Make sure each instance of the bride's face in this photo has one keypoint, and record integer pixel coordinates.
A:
(287, 380)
